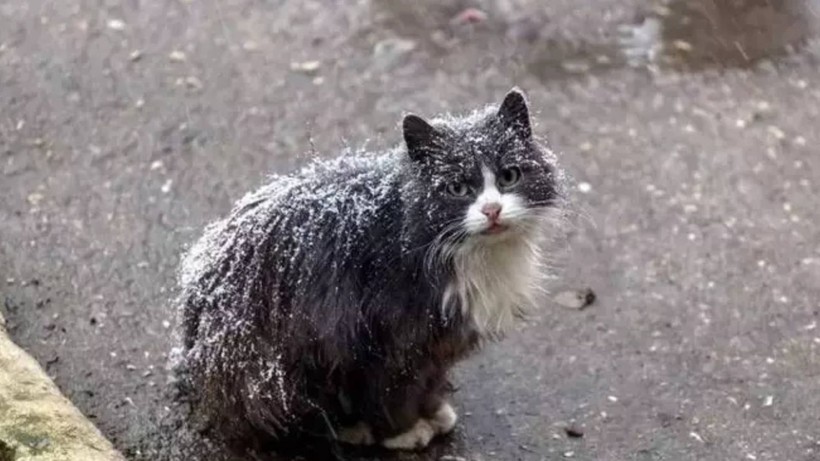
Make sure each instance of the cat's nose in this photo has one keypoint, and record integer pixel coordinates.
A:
(491, 211)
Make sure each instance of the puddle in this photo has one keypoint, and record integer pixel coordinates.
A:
(691, 35)
(677, 35)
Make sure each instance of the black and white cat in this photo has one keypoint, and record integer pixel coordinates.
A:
(337, 298)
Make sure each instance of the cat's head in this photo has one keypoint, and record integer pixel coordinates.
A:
(482, 178)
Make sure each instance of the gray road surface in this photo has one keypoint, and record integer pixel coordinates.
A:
(691, 128)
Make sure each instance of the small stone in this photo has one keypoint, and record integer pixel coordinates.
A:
(576, 66)
(135, 56)
(573, 431)
(34, 198)
(177, 56)
(166, 324)
(306, 67)
(156, 165)
(193, 83)
(769, 401)
(139, 103)
(250, 45)
(682, 45)
(167, 186)
(569, 454)
(584, 187)
(612, 399)
(776, 132)
(575, 299)
(388, 51)
(116, 24)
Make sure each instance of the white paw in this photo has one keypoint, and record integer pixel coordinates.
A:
(360, 434)
(445, 419)
(415, 439)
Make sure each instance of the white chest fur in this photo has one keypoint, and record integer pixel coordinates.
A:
(494, 283)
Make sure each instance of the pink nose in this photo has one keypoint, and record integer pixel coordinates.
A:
(491, 211)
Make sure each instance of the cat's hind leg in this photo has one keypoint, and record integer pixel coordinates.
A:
(418, 437)
(441, 421)
(358, 434)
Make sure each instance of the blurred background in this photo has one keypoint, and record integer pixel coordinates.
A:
(690, 127)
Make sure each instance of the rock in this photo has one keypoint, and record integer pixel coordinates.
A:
(575, 299)
(388, 51)
(34, 198)
(307, 67)
(193, 83)
(116, 24)
(36, 422)
(573, 431)
(177, 56)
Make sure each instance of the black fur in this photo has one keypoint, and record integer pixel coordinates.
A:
(314, 304)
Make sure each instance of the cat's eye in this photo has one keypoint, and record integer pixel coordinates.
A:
(457, 189)
(509, 177)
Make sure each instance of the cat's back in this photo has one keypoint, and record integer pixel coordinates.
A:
(329, 206)
(340, 198)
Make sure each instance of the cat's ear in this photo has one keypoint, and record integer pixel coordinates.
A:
(515, 113)
(419, 136)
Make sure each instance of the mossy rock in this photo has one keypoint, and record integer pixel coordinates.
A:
(36, 422)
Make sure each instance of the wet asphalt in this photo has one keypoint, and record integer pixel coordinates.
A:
(689, 126)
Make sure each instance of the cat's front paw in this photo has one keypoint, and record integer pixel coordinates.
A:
(444, 419)
(360, 434)
(416, 438)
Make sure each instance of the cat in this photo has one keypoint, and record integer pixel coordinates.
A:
(336, 299)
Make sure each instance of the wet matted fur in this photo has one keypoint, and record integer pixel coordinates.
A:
(340, 296)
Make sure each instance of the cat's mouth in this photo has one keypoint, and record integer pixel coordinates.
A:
(495, 228)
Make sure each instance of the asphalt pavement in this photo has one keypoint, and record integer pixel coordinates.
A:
(690, 128)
